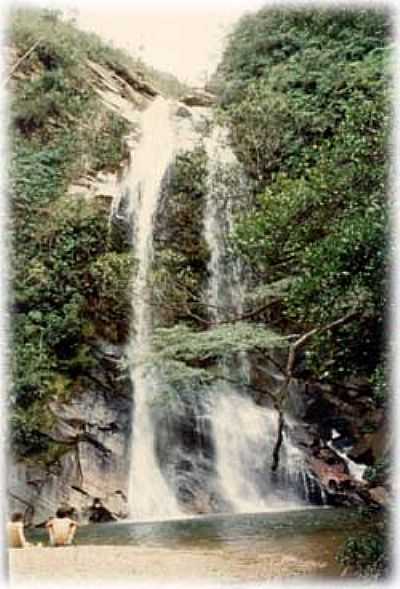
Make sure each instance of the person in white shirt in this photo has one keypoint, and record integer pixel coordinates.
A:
(15, 531)
(61, 528)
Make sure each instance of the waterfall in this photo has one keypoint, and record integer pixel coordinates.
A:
(244, 432)
(150, 496)
(211, 451)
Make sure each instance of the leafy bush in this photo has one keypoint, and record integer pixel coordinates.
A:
(380, 388)
(108, 147)
(184, 344)
(366, 555)
(305, 95)
(271, 37)
(109, 281)
(70, 276)
(181, 254)
(377, 474)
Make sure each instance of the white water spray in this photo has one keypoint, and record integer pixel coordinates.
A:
(150, 497)
(356, 470)
(244, 432)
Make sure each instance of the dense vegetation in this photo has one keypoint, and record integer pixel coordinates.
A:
(367, 555)
(71, 269)
(180, 264)
(305, 96)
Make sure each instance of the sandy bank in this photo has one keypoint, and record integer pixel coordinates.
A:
(83, 564)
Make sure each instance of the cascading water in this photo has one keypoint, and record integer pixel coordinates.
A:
(150, 496)
(212, 451)
(244, 433)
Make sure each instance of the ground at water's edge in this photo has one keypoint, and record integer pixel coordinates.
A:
(223, 548)
(80, 564)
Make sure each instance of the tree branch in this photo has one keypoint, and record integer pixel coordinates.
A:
(305, 337)
(248, 315)
(289, 375)
(19, 61)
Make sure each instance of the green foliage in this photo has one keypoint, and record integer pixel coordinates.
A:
(63, 299)
(366, 556)
(262, 108)
(109, 281)
(70, 272)
(266, 39)
(59, 41)
(380, 388)
(266, 292)
(305, 95)
(54, 100)
(189, 361)
(166, 83)
(378, 473)
(48, 89)
(108, 147)
(63, 47)
(42, 104)
(222, 342)
(27, 435)
(181, 254)
(30, 439)
(179, 382)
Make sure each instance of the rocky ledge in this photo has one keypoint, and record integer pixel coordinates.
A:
(343, 436)
(199, 98)
(93, 430)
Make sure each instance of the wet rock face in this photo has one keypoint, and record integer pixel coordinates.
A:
(94, 427)
(185, 450)
(340, 431)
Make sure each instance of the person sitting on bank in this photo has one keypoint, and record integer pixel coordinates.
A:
(61, 528)
(15, 531)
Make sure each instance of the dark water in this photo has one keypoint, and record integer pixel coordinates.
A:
(308, 533)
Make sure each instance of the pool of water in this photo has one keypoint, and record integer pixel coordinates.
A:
(307, 533)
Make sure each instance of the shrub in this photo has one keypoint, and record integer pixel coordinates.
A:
(307, 107)
(63, 248)
(366, 556)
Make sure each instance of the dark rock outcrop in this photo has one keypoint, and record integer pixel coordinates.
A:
(380, 496)
(199, 98)
(332, 425)
(183, 111)
(125, 82)
(94, 429)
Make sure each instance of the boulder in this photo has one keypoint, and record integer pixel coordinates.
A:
(199, 98)
(369, 448)
(380, 496)
(331, 476)
(111, 508)
(183, 111)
